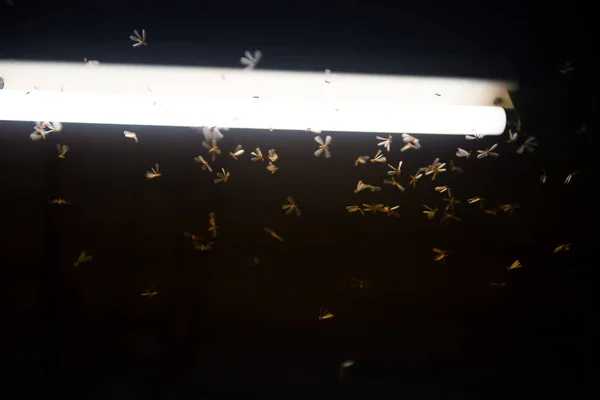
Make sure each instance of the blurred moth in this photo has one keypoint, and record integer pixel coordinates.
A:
(562, 247)
(272, 168)
(440, 255)
(222, 176)
(62, 150)
(463, 153)
(213, 149)
(528, 145)
(273, 234)
(379, 157)
(237, 152)
(430, 212)
(60, 201)
(272, 155)
(250, 61)
(385, 142)
(83, 257)
(150, 293)
(515, 265)
(291, 207)
(393, 182)
(361, 160)
(323, 146)
(355, 208)
(140, 40)
(212, 224)
(324, 314)
(390, 211)
(395, 171)
(153, 173)
(205, 165)
(258, 156)
(130, 135)
(488, 152)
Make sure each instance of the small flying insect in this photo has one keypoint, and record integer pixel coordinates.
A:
(543, 177)
(83, 257)
(454, 168)
(153, 173)
(529, 144)
(360, 186)
(355, 208)
(212, 133)
(62, 150)
(512, 137)
(562, 247)
(204, 246)
(438, 168)
(491, 212)
(474, 136)
(323, 146)
(60, 202)
(222, 176)
(205, 165)
(510, 208)
(344, 366)
(213, 149)
(515, 265)
(448, 217)
(258, 156)
(430, 212)
(130, 135)
(440, 255)
(408, 146)
(192, 236)
(410, 140)
(91, 63)
(414, 179)
(250, 61)
(291, 207)
(379, 157)
(273, 234)
(272, 156)
(451, 202)
(361, 160)
(390, 211)
(360, 283)
(272, 168)
(140, 40)
(237, 152)
(393, 182)
(372, 207)
(487, 152)
(150, 293)
(395, 171)
(463, 153)
(212, 224)
(386, 142)
(324, 314)
(474, 200)
(569, 177)
(442, 189)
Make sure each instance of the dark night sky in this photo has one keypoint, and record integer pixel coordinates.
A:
(222, 328)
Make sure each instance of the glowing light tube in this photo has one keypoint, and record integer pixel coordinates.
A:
(176, 96)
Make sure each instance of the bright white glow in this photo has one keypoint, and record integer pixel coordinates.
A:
(172, 96)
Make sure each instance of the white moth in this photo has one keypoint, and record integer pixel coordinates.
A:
(386, 142)
(487, 152)
(323, 146)
(140, 40)
(130, 135)
(250, 61)
(528, 145)
(463, 153)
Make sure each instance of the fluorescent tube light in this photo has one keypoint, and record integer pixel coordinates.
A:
(178, 96)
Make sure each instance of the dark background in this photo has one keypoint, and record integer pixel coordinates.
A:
(222, 328)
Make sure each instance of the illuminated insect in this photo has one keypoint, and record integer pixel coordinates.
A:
(474, 200)
(271, 168)
(395, 171)
(562, 247)
(273, 234)
(272, 155)
(153, 173)
(410, 140)
(568, 67)
(60, 201)
(212, 224)
(379, 157)
(393, 182)
(237, 152)
(130, 135)
(360, 283)
(361, 160)
(140, 40)
(83, 257)
(474, 136)
(291, 207)
(62, 150)
(429, 169)
(569, 177)
(150, 293)
(451, 202)
(512, 137)
(355, 209)
(192, 236)
(497, 284)
(487, 152)
(463, 153)
(414, 179)
(454, 168)
(437, 168)
(543, 177)
(212, 133)
(324, 314)
(386, 142)
(440, 255)
(510, 208)
(448, 217)
(204, 246)
(250, 61)
(91, 63)
(430, 212)
(344, 366)
(258, 156)
(222, 176)
(528, 145)
(444, 189)
(515, 265)
(360, 186)
(323, 146)
(43, 129)
(372, 207)
(213, 149)
(390, 211)
(205, 165)
(491, 212)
